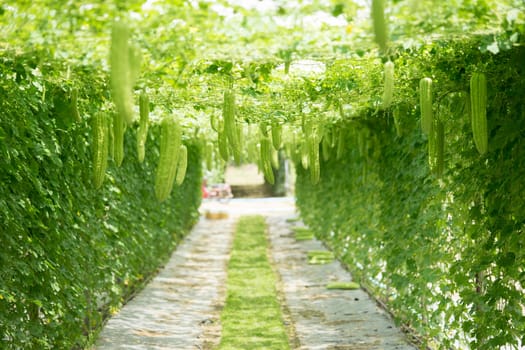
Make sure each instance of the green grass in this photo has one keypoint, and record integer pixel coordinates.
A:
(251, 318)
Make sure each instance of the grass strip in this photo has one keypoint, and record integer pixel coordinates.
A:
(251, 318)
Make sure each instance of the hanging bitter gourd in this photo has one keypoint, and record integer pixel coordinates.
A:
(313, 148)
(379, 23)
(425, 102)
(294, 152)
(74, 105)
(263, 128)
(432, 149)
(329, 136)
(240, 137)
(325, 146)
(222, 141)
(214, 122)
(305, 154)
(182, 164)
(253, 152)
(170, 142)
(119, 128)
(362, 142)
(308, 127)
(274, 158)
(111, 138)
(388, 88)
(121, 72)
(277, 130)
(237, 153)
(135, 59)
(478, 111)
(230, 125)
(258, 158)
(266, 162)
(100, 148)
(142, 132)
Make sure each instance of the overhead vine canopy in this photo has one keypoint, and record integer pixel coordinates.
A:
(287, 62)
(369, 101)
(189, 46)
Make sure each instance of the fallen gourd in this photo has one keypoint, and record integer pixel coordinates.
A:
(343, 285)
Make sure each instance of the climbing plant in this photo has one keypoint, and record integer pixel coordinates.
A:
(71, 253)
(429, 219)
(442, 250)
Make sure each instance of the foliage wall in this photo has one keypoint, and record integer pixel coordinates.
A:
(446, 253)
(71, 253)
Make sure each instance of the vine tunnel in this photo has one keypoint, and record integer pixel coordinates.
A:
(403, 121)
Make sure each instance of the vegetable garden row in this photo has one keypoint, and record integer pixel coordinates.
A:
(410, 159)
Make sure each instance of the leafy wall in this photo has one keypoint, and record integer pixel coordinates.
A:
(445, 253)
(71, 254)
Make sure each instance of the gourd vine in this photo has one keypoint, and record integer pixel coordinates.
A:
(406, 135)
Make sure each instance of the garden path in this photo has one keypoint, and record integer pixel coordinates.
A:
(180, 308)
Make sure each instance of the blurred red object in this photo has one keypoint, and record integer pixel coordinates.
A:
(205, 193)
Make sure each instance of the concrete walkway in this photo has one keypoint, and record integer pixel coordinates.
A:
(327, 319)
(180, 308)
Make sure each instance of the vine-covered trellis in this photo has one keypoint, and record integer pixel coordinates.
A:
(406, 132)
